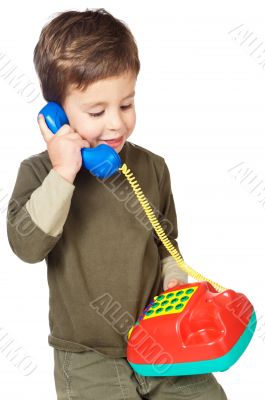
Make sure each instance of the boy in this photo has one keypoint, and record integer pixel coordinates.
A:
(104, 263)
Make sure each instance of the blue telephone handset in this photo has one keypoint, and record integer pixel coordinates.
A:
(102, 161)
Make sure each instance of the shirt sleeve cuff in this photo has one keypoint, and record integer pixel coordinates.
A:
(49, 204)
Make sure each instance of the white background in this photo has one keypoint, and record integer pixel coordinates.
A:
(200, 105)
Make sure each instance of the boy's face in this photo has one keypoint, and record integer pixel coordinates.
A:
(116, 114)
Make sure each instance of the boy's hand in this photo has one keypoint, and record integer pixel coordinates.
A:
(64, 149)
(174, 282)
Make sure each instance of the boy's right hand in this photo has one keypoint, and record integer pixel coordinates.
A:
(64, 149)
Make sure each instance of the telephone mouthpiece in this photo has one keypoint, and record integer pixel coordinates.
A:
(102, 161)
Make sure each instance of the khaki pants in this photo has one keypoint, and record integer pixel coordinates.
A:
(89, 375)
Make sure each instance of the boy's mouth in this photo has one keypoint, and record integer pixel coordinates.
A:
(113, 142)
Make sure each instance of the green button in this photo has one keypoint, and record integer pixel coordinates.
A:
(189, 291)
(179, 293)
(155, 305)
(164, 303)
(149, 312)
(184, 298)
(169, 308)
(169, 295)
(174, 301)
(160, 297)
(178, 306)
(159, 310)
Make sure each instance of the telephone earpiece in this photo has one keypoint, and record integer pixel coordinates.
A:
(102, 161)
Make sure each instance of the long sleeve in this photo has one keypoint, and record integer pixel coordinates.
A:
(28, 240)
(49, 204)
(168, 221)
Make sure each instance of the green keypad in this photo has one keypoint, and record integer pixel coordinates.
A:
(170, 303)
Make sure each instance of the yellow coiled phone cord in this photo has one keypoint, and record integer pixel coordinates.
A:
(161, 233)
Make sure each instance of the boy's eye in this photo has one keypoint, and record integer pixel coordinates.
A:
(98, 114)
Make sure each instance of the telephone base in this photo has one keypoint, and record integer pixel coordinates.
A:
(200, 367)
(191, 329)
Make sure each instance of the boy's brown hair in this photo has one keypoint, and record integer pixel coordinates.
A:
(79, 48)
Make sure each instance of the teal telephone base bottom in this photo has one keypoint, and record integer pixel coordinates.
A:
(201, 367)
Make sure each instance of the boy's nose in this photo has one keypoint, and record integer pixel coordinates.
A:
(115, 121)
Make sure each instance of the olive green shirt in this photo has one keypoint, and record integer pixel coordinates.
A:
(104, 261)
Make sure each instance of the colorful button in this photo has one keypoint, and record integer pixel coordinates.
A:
(149, 312)
(179, 292)
(184, 298)
(179, 306)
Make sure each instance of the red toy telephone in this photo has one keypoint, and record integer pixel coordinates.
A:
(192, 329)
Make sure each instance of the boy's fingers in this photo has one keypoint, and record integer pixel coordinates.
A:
(85, 143)
(171, 284)
(46, 132)
(175, 282)
(64, 130)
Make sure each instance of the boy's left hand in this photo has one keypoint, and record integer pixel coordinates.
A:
(174, 282)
